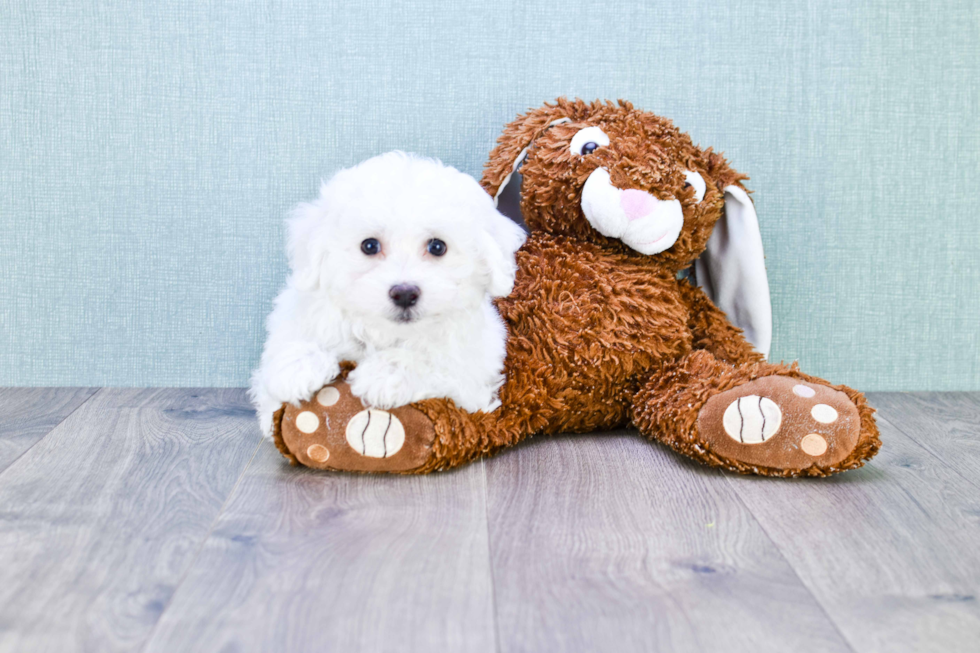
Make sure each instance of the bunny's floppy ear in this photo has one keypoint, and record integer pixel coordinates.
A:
(732, 270)
(507, 199)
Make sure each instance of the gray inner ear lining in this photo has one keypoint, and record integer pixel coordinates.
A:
(518, 162)
(508, 197)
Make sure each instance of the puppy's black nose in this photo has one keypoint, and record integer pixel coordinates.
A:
(404, 295)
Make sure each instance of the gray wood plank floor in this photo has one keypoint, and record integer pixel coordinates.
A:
(306, 561)
(28, 414)
(102, 517)
(158, 520)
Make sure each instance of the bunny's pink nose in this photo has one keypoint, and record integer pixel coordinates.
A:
(636, 203)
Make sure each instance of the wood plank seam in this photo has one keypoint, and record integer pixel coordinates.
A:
(303, 560)
(929, 451)
(792, 567)
(888, 592)
(119, 495)
(609, 568)
(34, 444)
(203, 542)
(493, 582)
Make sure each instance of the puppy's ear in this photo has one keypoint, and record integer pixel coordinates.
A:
(303, 247)
(732, 270)
(499, 242)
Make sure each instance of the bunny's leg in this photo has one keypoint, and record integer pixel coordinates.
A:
(333, 430)
(712, 330)
(756, 418)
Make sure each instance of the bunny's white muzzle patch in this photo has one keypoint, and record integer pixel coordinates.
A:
(645, 223)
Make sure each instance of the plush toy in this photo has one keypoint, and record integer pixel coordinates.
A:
(641, 299)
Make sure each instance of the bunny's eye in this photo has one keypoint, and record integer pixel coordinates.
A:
(588, 140)
(697, 181)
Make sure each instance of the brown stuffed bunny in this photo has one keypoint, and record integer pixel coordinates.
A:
(604, 329)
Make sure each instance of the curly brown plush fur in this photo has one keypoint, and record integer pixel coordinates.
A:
(601, 336)
(663, 409)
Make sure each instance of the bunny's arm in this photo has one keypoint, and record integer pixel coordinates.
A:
(711, 329)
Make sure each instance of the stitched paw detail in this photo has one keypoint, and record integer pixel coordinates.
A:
(375, 433)
(780, 422)
(752, 419)
(334, 430)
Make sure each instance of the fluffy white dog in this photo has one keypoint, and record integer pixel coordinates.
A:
(392, 267)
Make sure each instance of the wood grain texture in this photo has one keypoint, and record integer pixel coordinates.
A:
(311, 561)
(123, 528)
(28, 414)
(947, 424)
(890, 550)
(609, 542)
(100, 519)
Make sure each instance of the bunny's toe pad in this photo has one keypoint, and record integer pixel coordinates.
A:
(334, 430)
(781, 423)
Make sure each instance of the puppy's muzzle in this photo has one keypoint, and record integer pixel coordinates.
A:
(404, 295)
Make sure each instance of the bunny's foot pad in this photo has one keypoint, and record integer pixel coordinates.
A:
(781, 423)
(334, 430)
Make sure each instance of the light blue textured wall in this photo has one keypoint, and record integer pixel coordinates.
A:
(151, 149)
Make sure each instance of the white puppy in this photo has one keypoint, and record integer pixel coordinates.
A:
(392, 267)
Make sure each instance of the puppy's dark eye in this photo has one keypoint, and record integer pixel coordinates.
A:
(371, 246)
(436, 247)
(589, 148)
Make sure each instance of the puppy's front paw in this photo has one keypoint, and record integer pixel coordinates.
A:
(381, 384)
(296, 374)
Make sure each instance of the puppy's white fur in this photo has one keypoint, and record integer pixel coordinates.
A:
(336, 303)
